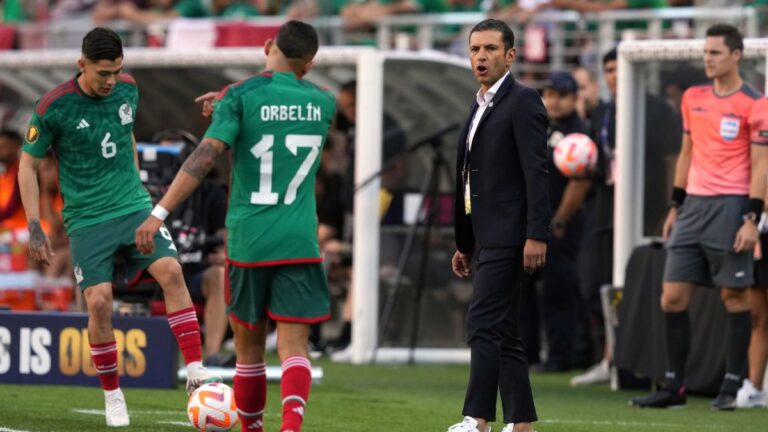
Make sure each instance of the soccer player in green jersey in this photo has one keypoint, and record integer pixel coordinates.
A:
(88, 124)
(275, 125)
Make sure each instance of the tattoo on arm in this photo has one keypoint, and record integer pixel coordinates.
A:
(36, 234)
(201, 161)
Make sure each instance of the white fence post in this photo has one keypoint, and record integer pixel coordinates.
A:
(365, 273)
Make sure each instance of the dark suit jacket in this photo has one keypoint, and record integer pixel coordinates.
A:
(508, 172)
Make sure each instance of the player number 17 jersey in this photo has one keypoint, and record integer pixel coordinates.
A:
(276, 126)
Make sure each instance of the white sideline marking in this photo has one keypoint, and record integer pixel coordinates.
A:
(130, 412)
(175, 423)
(620, 423)
(6, 429)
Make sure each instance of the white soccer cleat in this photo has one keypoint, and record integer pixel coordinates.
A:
(116, 410)
(467, 425)
(198, 375)
(597, 374)
(343, 356)
(750, 397)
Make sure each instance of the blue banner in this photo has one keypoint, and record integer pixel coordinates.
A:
(52, 348)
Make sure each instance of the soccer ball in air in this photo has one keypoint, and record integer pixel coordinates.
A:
(576, 155)
(212, 408)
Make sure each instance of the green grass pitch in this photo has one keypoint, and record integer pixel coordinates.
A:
(373, 399)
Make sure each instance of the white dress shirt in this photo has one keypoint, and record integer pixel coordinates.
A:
(484, 100)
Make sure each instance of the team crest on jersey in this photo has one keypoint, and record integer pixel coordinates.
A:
(729, 128)
(126, 114)
(32, 134)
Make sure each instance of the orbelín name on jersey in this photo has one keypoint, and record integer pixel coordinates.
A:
(306, 112)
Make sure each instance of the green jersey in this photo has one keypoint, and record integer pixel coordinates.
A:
(92, 140)
(275, 125)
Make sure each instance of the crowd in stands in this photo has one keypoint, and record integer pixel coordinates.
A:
(356, 13)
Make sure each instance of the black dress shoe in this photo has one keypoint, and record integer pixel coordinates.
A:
(724, 402)
(661, 399)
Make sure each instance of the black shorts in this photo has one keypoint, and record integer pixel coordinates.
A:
(700, 249)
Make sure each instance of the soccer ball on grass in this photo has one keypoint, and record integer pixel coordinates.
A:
(212, 408)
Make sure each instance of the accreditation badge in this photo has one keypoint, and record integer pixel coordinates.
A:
(467, 197)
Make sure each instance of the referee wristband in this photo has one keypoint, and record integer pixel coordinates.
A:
(678, 196)
(160, 212)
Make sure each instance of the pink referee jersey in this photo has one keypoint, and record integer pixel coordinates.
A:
(758, 122)
(720, 131)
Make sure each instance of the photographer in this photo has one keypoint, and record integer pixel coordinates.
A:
(197, 227)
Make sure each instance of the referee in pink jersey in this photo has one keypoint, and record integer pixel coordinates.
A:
(718, 194)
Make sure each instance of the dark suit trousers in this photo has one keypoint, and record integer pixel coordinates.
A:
(498, 362)
(559, 303)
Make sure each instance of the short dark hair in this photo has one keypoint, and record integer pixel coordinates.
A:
(297, 40)
(349, 87)
(11, 135)
(611, 55)
(490, 24)
(102, 43)
(733, 38)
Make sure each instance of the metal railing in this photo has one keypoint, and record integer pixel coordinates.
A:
(570, 38)
(334, 30)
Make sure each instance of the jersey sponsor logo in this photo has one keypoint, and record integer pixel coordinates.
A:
(126, 114)
(729, 128)
(32, 134)
(83, 124)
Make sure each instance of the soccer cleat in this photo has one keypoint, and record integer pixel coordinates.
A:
(467, 425)
(597, 374)
(724, 402)
(661, 399)
(116, 410)
(750, 397)
(343, 356)
(198, 375)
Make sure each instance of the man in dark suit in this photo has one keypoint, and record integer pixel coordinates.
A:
(502, 226)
